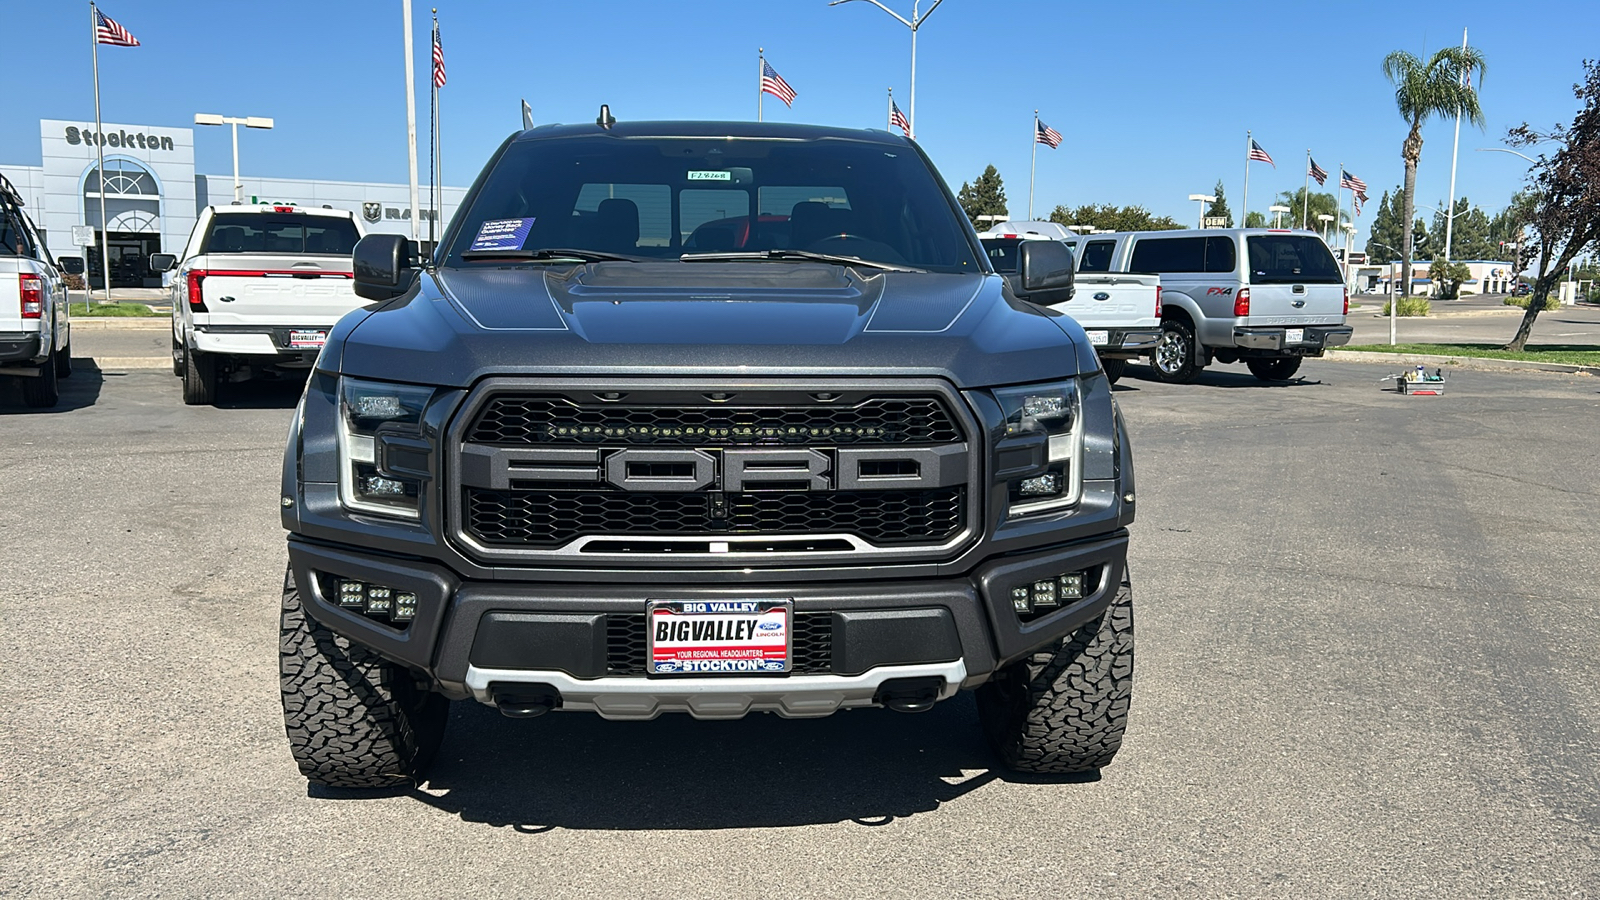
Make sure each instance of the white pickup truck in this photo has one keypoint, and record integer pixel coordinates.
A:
(35, 333)
(255, 292)
(1120, 312)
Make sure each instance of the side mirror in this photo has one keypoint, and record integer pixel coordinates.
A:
(163, 262)
(382, 266)
(1044, 270)
(72, 265)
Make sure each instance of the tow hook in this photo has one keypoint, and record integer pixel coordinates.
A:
(910, 695)
(524, 701)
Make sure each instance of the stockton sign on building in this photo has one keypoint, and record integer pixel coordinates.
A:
(154, 195)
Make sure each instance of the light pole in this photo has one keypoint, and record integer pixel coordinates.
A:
(1202, 199)
(1324, 218)
(1394, 295)
(914, 23)
(1277, 215)
(1506, 150)
(248, 122)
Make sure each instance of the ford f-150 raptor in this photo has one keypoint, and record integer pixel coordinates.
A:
(710, 418)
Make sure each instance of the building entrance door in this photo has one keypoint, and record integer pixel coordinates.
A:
(130, 260)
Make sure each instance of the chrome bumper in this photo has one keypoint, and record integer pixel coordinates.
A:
(1315, 337)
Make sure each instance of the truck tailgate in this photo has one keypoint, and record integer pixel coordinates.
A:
(1294, 280)
(1113, 301)
(276, 291)
(10, 297)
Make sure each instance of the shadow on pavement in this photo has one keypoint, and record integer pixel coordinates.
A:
(260, 393)
(1226, 377)
(578, 771)
(79, 391)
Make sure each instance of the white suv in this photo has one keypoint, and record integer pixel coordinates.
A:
(255, 292)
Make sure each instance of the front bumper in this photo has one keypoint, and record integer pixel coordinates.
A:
(20, 346)
(470, 636)
(1315, 338)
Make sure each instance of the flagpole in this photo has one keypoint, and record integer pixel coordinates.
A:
(1339, 197)
(1244, 202)
(411, 117)
(890, 113)
(761, 71)
(433, 126)
(1305, 195)
(1033, 166)
(1450, 211)
(100, 153)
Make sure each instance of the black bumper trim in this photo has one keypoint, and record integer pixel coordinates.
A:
(22, 347)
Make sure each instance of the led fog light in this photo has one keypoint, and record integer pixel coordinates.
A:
(405, 607)
(379, 600)
(1044, 593)
(1071, 586)
(1021, 600)
(352, 593)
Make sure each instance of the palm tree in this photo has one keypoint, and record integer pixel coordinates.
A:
(1439, 87)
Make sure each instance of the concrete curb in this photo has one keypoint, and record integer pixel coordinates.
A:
(1410, 360)
(115, 363)
(96, 323)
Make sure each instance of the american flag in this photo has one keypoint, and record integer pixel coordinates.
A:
(1360, 198)
(1044, 134)
(1260, 155)
(897, 119)
(1317, 172)
(107, 31)
(773, 83)
(1350, 182)
(438, 59)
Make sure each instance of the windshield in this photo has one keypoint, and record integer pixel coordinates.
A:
(664, 198)
(281, 233)
(1291, 258)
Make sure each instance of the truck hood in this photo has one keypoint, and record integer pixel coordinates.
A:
(700, 318)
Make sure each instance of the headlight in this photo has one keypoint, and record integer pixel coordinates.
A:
(368, 409)
(1046, 414)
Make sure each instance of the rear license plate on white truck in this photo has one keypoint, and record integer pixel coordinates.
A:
(1294, 336)
(307, 340)
(705, 637)
(1098, 338)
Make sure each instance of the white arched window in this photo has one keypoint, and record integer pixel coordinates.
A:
(124, 178)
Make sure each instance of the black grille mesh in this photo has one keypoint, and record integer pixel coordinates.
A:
(550, 519)
(812, 649)
(518, 419)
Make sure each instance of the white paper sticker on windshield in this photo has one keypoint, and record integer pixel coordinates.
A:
(502, 234)
(710, 175)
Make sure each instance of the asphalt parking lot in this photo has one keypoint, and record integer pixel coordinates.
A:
(1366, 668)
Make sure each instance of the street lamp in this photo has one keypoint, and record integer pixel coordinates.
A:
(1505, 150)
(1277, 215)
(1324, 218)
(248, 122)
(913, 23)
(1202, 199)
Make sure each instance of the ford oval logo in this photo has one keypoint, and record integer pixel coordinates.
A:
(1102, 296)
(769, 626)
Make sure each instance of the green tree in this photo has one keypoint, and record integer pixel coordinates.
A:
(1469, 238)
(1255, 219)
(1319, 204)
(1109, 217)
(1449, 276)
(1387, 234)
(1510, 224)
(1421, 241)
(984, 197)
(1219, 207)
(1422, 90)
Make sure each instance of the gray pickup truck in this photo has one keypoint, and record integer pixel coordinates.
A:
(1262, 296)
(712, 418)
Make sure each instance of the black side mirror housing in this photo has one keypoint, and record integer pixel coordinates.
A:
(72, 265)
(163, 262)
(383, 266)
(1045, 272)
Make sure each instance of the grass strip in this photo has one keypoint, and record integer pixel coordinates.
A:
(112, 311)
(1569, 354)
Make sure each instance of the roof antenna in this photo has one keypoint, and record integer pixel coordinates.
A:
(606, 119)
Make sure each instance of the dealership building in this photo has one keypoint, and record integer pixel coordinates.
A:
(153, 194)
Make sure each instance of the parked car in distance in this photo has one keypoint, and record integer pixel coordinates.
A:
(1266, 297)
(1120, 313)
(35, 330)
(255, 292)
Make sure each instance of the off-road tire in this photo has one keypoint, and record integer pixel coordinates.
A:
(42, 391)
(1274, 369)
(1173, 359)
(62, 359)
(1064, 708)
(199, 378)
(354, 719)
(1114, 368)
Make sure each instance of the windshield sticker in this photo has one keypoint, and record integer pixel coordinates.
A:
(710, 175)
(502, 234)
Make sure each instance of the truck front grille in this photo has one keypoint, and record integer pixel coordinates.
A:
(600, 472)
(812, 650)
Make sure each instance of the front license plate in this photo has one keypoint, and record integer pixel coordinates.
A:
(1098, 338)
(1294, 335)
(710, 637)
(307, 340)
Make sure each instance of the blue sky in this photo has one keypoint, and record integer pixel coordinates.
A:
(1152, 98)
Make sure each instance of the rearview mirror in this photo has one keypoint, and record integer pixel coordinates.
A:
(163, 262)
(1044, 270)
(382, 266)
(72, 265)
